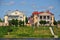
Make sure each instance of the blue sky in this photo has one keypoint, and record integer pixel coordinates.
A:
(28, 6)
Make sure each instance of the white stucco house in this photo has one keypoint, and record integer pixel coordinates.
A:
(16, 14)
(45, 16)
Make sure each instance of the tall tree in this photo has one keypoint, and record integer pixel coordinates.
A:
(26, 20)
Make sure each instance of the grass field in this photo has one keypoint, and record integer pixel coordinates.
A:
(27, 32)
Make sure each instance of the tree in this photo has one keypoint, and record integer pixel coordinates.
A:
(42, 22)
(26, 20)
(13, 22)
(1, 20)
(58, 21)
(21, 23)
(9, 22)
(55, 23)
(16, 22)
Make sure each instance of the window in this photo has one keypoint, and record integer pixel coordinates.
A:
(13, 17)
(21, 17)
(40, 17)
(44, 17)
(47, 17)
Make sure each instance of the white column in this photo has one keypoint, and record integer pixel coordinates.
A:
(38, 20)
(42, 18)
(46, 18)
(6, 19)
(52, 20)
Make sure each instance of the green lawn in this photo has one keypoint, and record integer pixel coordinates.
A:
(25, 32)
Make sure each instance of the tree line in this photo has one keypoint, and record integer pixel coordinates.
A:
(15, 22)
(44, 22)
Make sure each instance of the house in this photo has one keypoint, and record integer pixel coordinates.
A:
(30, 21)
(45, 16)
(19, 15)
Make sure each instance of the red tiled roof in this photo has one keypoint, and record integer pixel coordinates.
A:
(36, 12)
